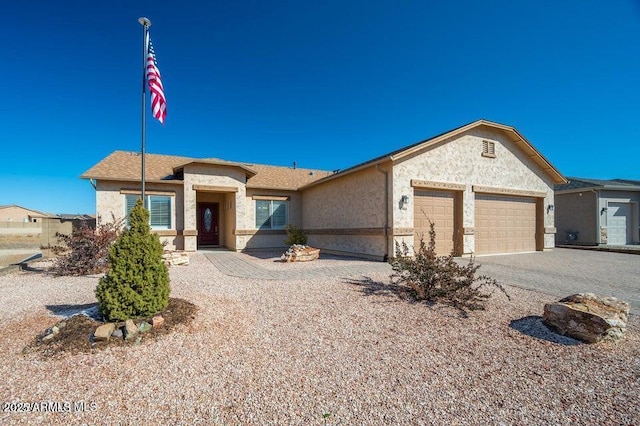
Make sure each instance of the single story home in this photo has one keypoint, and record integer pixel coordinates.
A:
(19, 214)
(483, 185)
(598, 212)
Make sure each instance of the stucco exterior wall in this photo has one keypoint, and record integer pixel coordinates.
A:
(354, 203)
(577, 212)
(220, 176)
(110, 204)
(252, 238)
(459, 160)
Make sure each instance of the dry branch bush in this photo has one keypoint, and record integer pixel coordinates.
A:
(86, 250)
(441, 278)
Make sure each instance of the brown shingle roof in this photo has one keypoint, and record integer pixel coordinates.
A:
(283, 177)
(125, 166)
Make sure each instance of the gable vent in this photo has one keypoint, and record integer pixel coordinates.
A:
(488, 149)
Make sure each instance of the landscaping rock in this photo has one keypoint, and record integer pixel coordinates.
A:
(103, 332)
(50, 333)
(143, 327)
(157, 321)
(588, 317)
(130, 329)
(300, 253)
(174, 258)
(117, 333)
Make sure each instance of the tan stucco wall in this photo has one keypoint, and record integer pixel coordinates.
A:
(459, 161)
(197, 174)
(355, 201)
(273, 238)
(577, 212)
(110, 204)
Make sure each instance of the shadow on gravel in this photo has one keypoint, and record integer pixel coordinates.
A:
(533, 326)
(369, 287)
(88, 309)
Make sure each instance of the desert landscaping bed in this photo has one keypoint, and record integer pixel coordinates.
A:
(292, 352)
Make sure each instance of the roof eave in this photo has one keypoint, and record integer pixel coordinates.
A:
(217, 163)
(117, 179)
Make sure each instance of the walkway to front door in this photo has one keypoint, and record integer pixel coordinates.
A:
(235, 265)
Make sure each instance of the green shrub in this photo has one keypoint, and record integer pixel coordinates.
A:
(295, 236)
(441, 278)
(137, 283)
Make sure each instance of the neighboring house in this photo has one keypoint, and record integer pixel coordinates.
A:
(22, 228)
(15, 213)
(486, 188)
(595, 211)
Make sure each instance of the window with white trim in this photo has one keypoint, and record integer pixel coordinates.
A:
(271, 214)
(159, 209)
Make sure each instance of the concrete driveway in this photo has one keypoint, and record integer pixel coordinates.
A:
(562, 272)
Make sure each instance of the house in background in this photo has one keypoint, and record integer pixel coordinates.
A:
(483, 185)
(594, 212)
(18, 214)
(23, 228)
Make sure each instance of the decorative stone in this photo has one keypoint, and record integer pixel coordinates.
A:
(175, 258)
(117, 333)
(588, 317)
(157, 321)
(143, 327)
(129, 329)
(300, 253)
(48, 337)
(103, 332)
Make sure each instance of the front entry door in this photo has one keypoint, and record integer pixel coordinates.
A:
(208, 224)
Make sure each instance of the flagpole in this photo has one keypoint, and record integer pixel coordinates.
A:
(146, 23)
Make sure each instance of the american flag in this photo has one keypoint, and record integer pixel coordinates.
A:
(158, 101)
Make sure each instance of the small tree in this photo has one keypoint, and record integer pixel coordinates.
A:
(137, 283)
(295, 236)
(86, 250)
(441, 278)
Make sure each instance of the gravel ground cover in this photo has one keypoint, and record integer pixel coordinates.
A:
(288, 352)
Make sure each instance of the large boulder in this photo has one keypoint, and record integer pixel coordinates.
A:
(588, 317)
(300, 253)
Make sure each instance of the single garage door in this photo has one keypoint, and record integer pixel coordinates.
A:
(504, 224)
(618, 223)
(437, 207)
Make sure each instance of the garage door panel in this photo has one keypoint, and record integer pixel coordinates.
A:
(505, 224)
(618, 223)
(439, 208)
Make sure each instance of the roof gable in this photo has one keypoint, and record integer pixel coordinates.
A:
(515, 137)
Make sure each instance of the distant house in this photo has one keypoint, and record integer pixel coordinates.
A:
(595, 211)
(15, 213)
(485, 187)
(25, 228)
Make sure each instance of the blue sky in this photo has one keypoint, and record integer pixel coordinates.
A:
(326, 84)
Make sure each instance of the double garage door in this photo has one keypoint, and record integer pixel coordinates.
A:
(503, 224)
